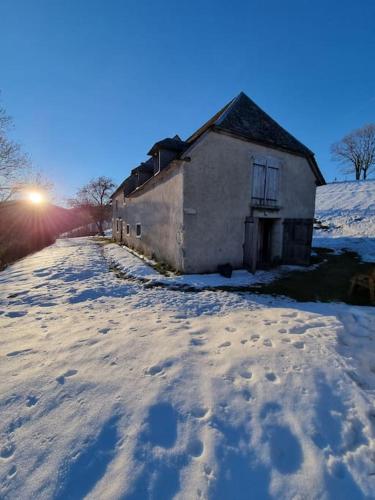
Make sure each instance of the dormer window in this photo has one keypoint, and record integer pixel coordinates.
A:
(265, 188)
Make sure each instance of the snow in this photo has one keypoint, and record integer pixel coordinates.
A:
(113, 390)
(138, 267)
(348, 208)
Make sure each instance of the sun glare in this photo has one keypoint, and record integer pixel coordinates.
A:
(35, 197)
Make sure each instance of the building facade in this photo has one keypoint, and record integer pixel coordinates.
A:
(240, 190)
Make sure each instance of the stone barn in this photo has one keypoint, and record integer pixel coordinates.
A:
(240, 191)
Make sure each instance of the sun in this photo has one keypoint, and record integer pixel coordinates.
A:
(35, 197)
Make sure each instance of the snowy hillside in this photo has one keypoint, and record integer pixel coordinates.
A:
(348, 211)
(111, 390)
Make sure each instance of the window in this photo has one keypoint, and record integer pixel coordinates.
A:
(116, 204)
(127, 229)
(138, 230)
(265, 182)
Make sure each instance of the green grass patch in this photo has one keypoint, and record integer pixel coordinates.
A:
(328, 282)
(165, 269)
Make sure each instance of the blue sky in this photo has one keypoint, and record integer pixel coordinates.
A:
(93, 84)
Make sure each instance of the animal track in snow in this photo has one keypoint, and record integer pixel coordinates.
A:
(103, 331)
(67, 374)
(255, 337)
(267, 342)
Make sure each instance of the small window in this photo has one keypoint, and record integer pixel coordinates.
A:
(127, 229)
(117, 225)
(138, 230)
(116, 204)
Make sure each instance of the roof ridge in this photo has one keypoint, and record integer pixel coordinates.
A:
(211, 121)
(228, 108)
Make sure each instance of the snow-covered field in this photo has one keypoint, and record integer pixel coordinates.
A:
(348, 209)
(111, 390)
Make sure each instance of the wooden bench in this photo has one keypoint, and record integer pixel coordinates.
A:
(365, 280)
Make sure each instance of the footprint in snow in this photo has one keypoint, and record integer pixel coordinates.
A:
(69, 373)
(31, 401)
(271, 377)
(197, 341)
(195, 448)
(246, 374)
(12, 471)
(199, 412)
(300, 330)
(267, 342)
(18, 353)
(154, 370)
(255, 337)
(246, 394)
(7, 451)
(158, 368)
(230, 329)
(299, 345)
(103, 331)
(225, 344)
(16, 314)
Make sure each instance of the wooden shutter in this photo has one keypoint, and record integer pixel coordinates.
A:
(259, 179)
(272, 185)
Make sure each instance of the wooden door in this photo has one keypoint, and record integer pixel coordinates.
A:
(297, 241)
(250, 244)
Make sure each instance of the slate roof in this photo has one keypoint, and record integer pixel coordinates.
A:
(245, 119)
(173, 144)
(145, 166)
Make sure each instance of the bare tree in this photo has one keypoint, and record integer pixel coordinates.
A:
(356, 151)
(94, 197)
(13, 162)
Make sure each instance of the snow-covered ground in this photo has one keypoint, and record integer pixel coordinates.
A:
(138, 267)
(348, 209)
(112, 390)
